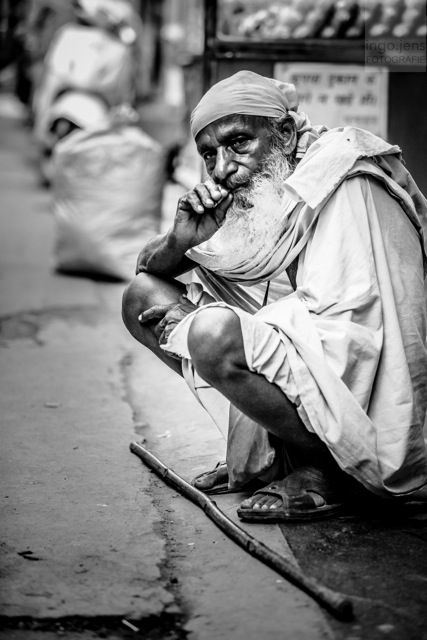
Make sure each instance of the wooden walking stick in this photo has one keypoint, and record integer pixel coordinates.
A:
(336, 603)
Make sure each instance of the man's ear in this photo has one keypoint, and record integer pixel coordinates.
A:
(289, 130)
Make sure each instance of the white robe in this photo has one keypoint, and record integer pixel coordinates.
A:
(348, 346)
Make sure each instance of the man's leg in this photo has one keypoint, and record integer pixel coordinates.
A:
(215, 343)
(144, 292)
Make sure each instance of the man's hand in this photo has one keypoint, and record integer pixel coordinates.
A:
(200, 213)
(166, 317)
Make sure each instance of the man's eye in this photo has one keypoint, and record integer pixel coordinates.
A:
(240, 145)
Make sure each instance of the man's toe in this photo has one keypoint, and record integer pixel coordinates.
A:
(212, 478)
(271, 503)
(275, 503)
(203, 483)
(248, 502)
(261, 502)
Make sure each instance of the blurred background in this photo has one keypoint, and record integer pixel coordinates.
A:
(95, 98)
(124, 75)
(182, 46)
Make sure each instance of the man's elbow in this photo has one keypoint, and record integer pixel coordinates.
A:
(141, 266)
(146, 262)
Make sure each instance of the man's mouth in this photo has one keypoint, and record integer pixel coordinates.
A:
(237, 187)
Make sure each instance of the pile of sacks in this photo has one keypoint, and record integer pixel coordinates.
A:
(107, 175)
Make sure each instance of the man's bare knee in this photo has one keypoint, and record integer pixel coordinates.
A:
(215, 343)
(136, 298)
(145, 291)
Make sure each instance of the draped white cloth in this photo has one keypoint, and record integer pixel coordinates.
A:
(348, 346)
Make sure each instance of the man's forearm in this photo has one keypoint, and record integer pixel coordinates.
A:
(199, 215)
(164, 255)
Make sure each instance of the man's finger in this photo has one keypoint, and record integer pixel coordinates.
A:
(158, 311)
(194, 201)
(221, 209)
(216, 191)
(208, 194)
(201, 199)
(204, 194)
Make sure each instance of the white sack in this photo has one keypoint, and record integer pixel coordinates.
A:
(107, 199)
(84, 59)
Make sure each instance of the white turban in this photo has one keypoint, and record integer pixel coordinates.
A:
(247, 93)
(250, 94)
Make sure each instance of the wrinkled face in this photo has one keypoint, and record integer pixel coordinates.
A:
(234, 149)
(246, 156)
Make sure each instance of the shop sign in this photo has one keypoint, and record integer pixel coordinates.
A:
(339, 95)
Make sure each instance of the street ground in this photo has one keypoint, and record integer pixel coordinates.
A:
(93, 543)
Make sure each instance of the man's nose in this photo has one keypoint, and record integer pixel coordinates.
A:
(224, 165)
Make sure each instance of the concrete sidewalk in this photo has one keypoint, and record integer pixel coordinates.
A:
(91, 540)
(89, 536)
(74, 539)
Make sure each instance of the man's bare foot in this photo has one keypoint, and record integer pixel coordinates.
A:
(266, 502)
(216, 478)
(307, 493)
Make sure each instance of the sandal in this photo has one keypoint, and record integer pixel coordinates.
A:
(222, 487)
(298, 503)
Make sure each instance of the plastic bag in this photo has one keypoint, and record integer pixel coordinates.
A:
(84, 59)
(107, 190)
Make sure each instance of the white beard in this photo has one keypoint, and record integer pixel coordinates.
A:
(255, 219)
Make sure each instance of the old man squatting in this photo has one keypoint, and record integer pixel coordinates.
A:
(304, 332)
